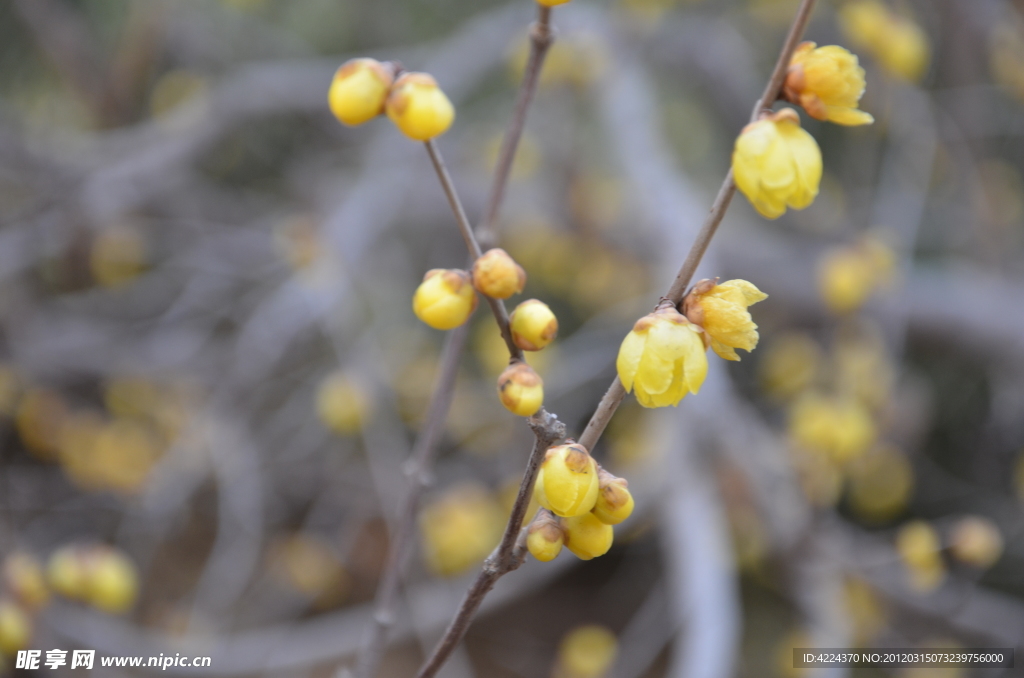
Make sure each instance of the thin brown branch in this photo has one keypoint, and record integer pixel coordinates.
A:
(419, 470)
(541, 37)
(615, 393)
(510, 553)
(497, 305)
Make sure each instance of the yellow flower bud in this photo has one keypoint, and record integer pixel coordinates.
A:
(342, 404)
(533, 325)
(112, 580)
(497, 275)
(359, 90)
(445, 299)
(521, 390)
(418, 107)
(662, 358)
(722, 311)
(24, 577)
(586, 652)
(614, 500)
(551, 3)
(976, 541)
(828, 82)
(67, 572)
(545, 537)
(567, 483)
(777, 163)
(586, 536)
(118, 255)
(15, 628)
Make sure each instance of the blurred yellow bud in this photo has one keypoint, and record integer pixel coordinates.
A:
(359, 90)
(976, 541)
(663, 358)
(777, 163)
(112, 580)
(497, 275)
(918, 545)
(865, 611)
(586, 536)
(118, 256)
(842, 429)
(125, 452)
(846, 280)
(551, 3)
(38, 420)
(864, 370)
(533, 325)
(445, 299)
(821, 478)
(898, 43)
(23, 575)
(15, 628)
(521, 390)
(880, 484)
(460, 528)
(67, 572)
(721, 309)
(567, 483)
(614, 500)
(545, 537)
(309, 566)
(828, 82)
(1006, 57)
(790, 365)
(342, 403)
(586, 652)
(418, 107)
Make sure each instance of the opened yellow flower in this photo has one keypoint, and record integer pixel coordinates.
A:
(567, 483)
(418, 107)
(777, 163)
(662, 358)
(359, 90)
(828, 82)
(722, 311)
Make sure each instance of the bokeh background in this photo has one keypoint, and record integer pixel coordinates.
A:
(211, 374)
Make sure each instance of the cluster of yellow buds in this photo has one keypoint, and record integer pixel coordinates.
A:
(663, 358)
(840, 429)
(849, 275)
(96, 574)
(580, 502)
(446, 298)
(364, 88)
(775, 162)
(25, 593)
(896, 41)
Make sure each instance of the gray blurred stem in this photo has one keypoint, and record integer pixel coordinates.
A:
(615, 393)
(419, 470)
(509, 555)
